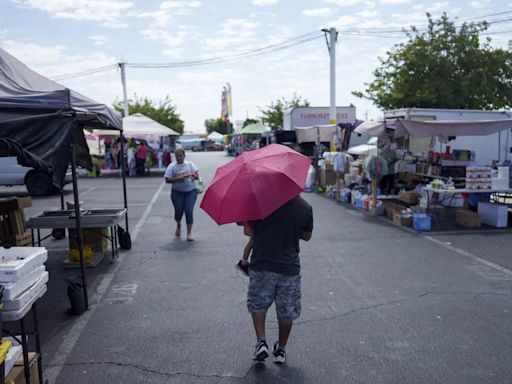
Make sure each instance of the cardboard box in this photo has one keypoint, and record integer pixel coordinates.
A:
(409, 197)
(327, 178)
(17, 376)
(95, 244)
(468, 219)
(390, 207)
(402, 219)
(495, 215)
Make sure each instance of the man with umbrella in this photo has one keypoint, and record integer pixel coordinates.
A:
(261, 188)
(275, 271)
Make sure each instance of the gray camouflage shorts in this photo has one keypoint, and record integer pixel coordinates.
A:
(268, 287)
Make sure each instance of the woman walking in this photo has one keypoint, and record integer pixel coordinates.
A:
(181, 175)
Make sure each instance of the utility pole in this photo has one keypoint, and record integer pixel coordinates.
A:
(123, 81)
(333, 34)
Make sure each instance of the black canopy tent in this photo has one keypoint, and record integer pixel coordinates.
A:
(47, 120)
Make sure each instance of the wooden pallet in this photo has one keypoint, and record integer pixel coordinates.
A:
(18, 240)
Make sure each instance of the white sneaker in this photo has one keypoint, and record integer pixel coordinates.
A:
(261, 351)
(279, 354)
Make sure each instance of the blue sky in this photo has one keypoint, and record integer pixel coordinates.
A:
(59, 37)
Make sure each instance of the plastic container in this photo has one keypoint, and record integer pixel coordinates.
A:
(421, 222)
(26, 297)
(13, 289)
(17, 262)
(20, 313)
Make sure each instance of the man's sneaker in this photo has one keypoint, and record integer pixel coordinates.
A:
(261, 352)
(243, 267)
(279, 354)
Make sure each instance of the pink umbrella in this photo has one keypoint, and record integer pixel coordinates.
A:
(255, 184)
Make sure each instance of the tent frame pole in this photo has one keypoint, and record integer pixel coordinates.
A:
(79, 225)
(123, 175)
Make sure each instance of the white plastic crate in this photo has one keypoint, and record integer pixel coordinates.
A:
(13, 289)
(20, 313)
(13, 355)
(17, 262)
(23, 299)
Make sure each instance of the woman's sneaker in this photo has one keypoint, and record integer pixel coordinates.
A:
(261, 352)
(279, 354)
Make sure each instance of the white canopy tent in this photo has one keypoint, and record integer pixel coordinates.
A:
(215, 136)
(140, 125)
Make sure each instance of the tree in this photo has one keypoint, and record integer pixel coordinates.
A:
(165, 112)
(443, 67)
(273, 115)
(249, 121)
(218, 125)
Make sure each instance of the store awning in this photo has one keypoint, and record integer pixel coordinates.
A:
(323, 133)
(138, 125)
(418, 129)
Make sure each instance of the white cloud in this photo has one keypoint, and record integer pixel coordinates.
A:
(479, 4)
(435, 7)
(345, 21)
(98, 40)
(97, 10)
(234, 32)
(161, 18)
(33, 53)
(318, 12)
(345, 3)
(164, 37)
(393, 1)
(179, 4)
(262, 3)
(368, 14)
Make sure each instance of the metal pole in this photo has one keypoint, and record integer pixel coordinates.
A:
(332, 50)
(79, 225)
(123, 81)
(123, 173)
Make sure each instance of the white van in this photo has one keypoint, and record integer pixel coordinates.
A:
(38, 183)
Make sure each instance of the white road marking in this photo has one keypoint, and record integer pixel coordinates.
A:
(65, 349)
(471, 256)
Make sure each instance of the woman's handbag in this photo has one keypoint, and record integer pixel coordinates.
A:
(199, 185)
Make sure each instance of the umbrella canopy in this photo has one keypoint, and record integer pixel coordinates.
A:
(255, 184)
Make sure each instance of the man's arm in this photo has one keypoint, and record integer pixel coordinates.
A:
(306, 236)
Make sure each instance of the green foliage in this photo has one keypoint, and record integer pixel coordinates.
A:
(249, 121)
(218, 125)
(273, 114)
(165, 112)
(443, 67)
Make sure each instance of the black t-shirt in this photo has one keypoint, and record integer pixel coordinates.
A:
(276, 238)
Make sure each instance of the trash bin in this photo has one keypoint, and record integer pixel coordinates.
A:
(75, 295)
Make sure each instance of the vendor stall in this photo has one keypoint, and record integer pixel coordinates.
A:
(426, 176)
(48, 120)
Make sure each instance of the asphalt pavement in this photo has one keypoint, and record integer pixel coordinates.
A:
(380, 305)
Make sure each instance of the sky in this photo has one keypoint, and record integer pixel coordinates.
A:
(64, 38)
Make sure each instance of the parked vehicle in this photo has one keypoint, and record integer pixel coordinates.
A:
(38, 183)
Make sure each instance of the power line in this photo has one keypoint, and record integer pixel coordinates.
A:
(84, 73)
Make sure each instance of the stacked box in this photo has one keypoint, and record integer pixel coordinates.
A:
(478, 177)
(12, 221)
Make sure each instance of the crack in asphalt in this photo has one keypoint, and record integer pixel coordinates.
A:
(169, 374)
(393, 302)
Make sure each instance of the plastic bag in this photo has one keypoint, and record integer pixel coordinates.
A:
(199, 185)
(310, 178)
(75, 295)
